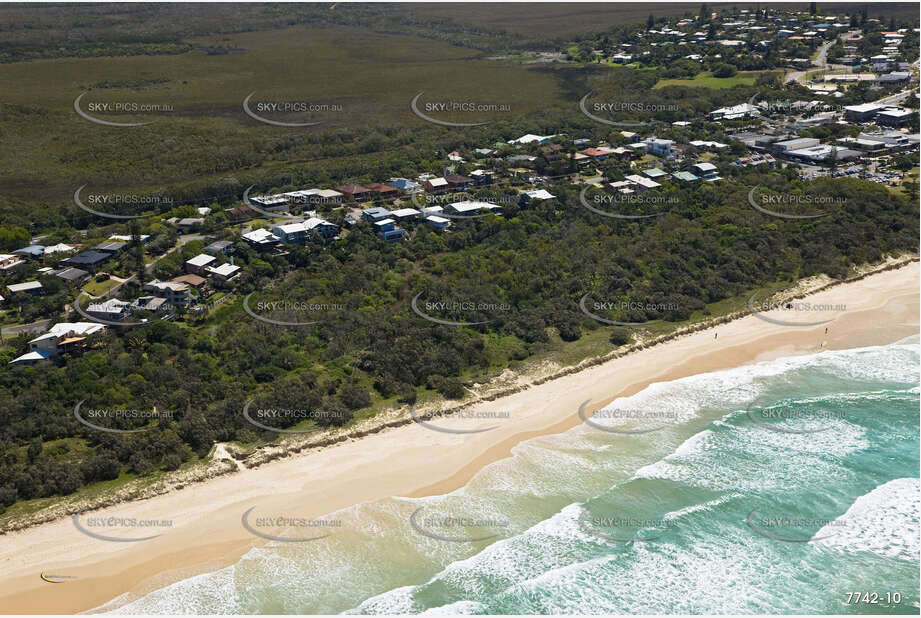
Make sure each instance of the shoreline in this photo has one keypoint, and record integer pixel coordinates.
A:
(413, 461)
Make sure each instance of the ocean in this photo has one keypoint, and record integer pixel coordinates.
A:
(788, 486)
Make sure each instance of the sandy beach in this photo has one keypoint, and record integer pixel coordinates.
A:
(206, 531)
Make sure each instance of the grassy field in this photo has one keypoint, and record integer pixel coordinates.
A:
(50, 150)
(706, 80)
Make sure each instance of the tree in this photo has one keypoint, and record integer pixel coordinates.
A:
(34, 450)
(724, 70)
(704, 12)
(650, 22)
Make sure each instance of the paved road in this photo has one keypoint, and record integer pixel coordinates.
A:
(35, 327)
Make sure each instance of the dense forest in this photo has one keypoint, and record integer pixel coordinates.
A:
(538, 260)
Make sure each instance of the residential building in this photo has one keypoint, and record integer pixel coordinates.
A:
(436, 186)
(261, 239)
(301, 231)
(388, 230)
(458, 182)
(375, 214)
(664, 148)
(73, 276)
(62, 338)
(707, 171)
(642, 183)
(439, 223)
(113, 310)
(224, 247)
(384, 191)
(470, 208)
(224, 272)
(88, 260)
(32, 288)
(198, 263)
(174, 292)
(405, 214)
(405, 185)
(354, 193)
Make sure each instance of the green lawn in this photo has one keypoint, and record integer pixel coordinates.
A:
(95, 288)
(706, 80)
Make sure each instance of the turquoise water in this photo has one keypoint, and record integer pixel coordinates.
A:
(821, 447)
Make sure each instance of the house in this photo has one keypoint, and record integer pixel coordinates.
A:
(271, 203)
(261, 238)
(241, 214)
(483, 177)
(642, 183)
(388, 230)
(685, 176)
(88, 260)
(596, 154)
(439, 223)
(198, 263)
(707, 171)
(405, 185)
(706, 145)
(73, 276)
(110, 247)
(622, 187)
(540, 194)
(32, 251)
(8, 261)
(32, 288)
(144, 238)
(62, 338)
(530, 138)
(154, 304)
(62, 248)
(457, 182)
(470, 208)
(113, 310)
(301, 231)
(656, 173)
(193, 281)
(402, 214)
(224, 272)
(660, 147)
(385, 191)
(224, 247)
(436, 186)
(354, 193)
(190, 224)
(375, 214)
(173, 292)
(323, 196)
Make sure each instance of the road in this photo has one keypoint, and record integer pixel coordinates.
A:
(821, 61)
